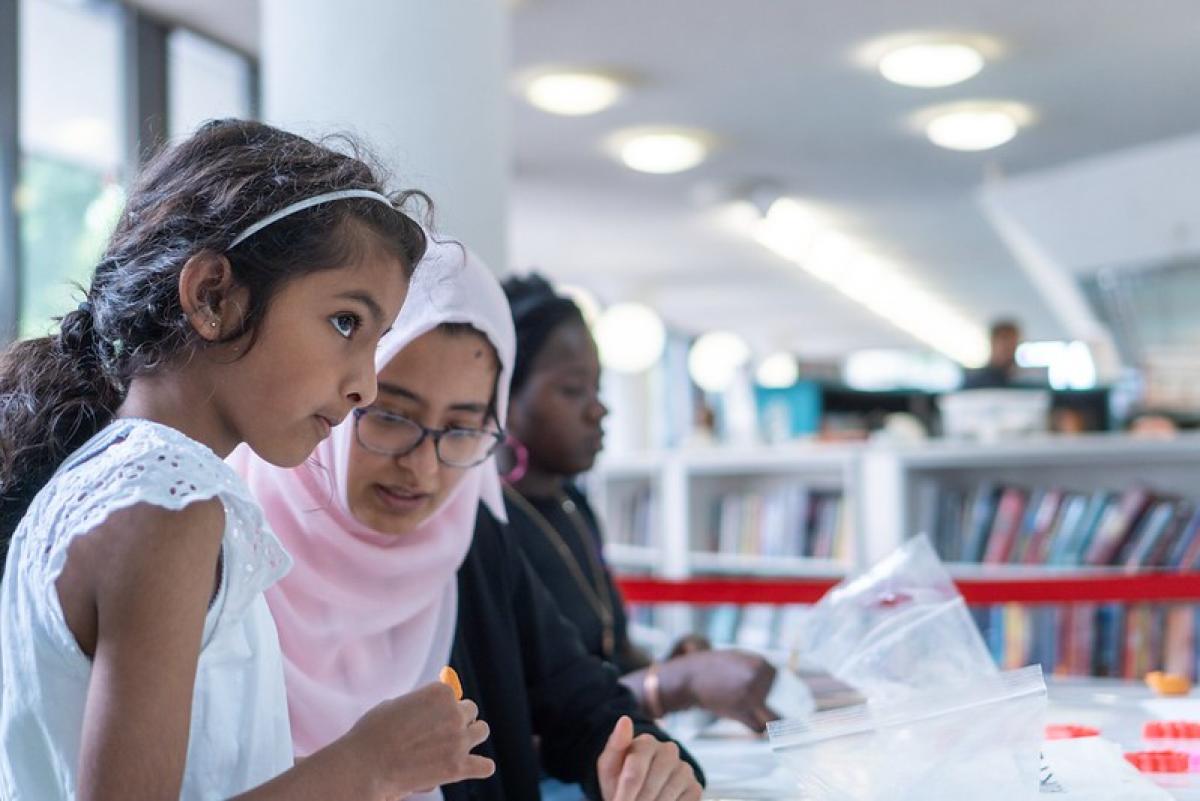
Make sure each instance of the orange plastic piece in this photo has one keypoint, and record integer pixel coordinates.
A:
(1068, 731)
(1168, 683)
(450, 678)
(1159, 761)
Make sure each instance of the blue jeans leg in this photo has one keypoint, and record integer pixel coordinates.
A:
(554, 790)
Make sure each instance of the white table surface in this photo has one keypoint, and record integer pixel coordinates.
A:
(741, 767)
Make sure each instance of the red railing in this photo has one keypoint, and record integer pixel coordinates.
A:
(1104, 588)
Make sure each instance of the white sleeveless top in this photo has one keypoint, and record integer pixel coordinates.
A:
(239, 736)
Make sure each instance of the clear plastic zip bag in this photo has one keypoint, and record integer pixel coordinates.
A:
(979, 740)
(900, 627)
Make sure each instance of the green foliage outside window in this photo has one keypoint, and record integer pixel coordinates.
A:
(67, 212)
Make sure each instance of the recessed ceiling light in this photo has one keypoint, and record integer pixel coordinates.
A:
(979, 129)
(931, 65)
(573, 94)
(972, 124)
(661, 151)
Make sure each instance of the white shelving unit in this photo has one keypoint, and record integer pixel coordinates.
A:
(881, 486)
(684, 486)
(619, 483)
(879, 483)
(737, 564)
(892, 477)
(707, 475)
(633, 558)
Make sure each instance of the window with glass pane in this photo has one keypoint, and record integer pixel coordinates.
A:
(70, 141)
(205, 81)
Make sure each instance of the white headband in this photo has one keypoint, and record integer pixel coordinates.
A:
(307, 203)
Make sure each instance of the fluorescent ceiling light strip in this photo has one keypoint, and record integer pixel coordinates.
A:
(874, 284)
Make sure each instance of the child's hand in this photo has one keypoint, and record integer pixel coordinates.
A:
(420, 741)
(643, 769)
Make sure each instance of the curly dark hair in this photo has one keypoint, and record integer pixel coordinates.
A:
(57, 392)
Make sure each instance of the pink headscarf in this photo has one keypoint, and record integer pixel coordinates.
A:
(365, 616)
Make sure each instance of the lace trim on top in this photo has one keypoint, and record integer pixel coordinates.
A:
(137, 461)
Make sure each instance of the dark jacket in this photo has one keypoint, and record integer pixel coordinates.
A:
(524, 665)
(548, 564)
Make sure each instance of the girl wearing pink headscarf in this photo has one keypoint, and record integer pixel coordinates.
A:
(403, 565)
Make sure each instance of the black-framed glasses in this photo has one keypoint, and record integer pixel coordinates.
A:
(391, 434)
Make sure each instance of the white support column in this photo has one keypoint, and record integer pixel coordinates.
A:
(423, 82)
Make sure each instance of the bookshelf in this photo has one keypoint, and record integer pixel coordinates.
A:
(901, 479)
(629, 496)
(736, 564)
(694, 515)
(633, 558)
(772, 511)
(1052, 508)
(780, 511)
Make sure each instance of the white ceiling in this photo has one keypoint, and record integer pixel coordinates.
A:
(778, 82)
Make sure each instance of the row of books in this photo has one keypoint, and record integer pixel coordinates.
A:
(1006, 524)
(633, 518)
(1117, 640)
(760, 627)
(1113, 640)
(790, 520)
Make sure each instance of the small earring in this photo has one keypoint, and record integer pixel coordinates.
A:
(520, 464)
(212, 323)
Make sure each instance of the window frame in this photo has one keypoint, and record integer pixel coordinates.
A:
(144, 91)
